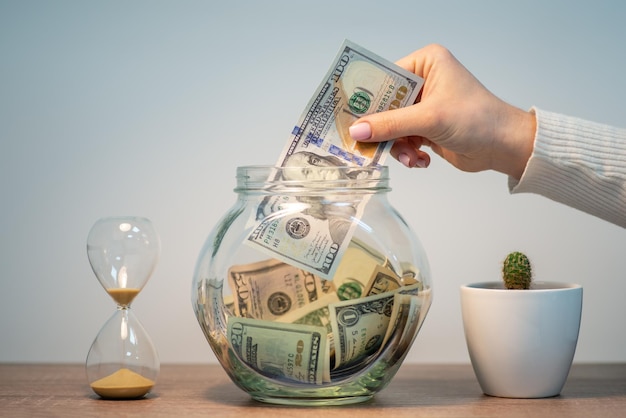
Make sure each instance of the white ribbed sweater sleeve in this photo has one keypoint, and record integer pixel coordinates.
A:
(578, 163)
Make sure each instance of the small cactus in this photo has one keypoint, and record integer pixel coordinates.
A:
(516, 271)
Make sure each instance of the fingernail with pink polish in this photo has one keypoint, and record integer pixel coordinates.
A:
(421, 163)
(360, 131)
(405, 159)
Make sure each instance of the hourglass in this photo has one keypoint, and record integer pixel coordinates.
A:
(122, 362)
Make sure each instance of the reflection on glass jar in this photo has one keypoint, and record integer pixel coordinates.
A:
(311, 288)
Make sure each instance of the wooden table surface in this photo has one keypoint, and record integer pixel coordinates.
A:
(49, 390)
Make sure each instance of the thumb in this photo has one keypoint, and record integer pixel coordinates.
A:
(391, 124)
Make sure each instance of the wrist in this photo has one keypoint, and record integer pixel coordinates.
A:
(516, 142)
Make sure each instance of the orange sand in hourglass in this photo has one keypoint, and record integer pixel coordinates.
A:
(123, 295)
(123, 384)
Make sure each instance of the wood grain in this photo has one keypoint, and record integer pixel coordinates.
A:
(51, 390)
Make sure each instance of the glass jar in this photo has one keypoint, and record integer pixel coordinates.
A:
(289, 331)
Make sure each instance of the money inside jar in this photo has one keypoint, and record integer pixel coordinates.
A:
(289, 324)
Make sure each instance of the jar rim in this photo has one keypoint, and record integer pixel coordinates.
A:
(268, 177)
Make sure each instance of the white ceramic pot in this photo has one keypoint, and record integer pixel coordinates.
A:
(521, 342)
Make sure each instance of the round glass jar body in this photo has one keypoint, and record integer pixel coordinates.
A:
(290, 331)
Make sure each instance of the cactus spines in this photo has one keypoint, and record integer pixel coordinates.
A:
(516, 271)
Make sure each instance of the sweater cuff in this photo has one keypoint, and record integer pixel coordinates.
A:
(579, 163)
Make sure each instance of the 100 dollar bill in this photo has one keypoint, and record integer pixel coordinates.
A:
(313, 231)
(358, 83)
(271, 289)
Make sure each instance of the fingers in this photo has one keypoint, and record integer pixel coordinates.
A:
(389, 125)
(404, 127)
(408, 152)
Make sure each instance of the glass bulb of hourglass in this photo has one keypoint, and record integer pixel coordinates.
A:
(122, 362)
(123, 252)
